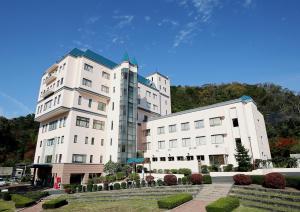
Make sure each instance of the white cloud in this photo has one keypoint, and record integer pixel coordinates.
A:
(168, 21)
(81, 45)
(185, 34)
(124, 20)
(147, 18)
(18, 103)
(247, 3)
(93, 19)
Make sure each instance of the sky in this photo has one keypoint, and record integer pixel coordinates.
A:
(194, 42)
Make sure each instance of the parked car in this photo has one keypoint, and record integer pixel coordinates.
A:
(2, 182)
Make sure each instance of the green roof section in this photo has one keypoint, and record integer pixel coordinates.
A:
(134, 62)
(125, 57)
(146, 82)
(93, 56)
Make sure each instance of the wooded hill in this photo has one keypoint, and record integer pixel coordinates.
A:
(280, 107)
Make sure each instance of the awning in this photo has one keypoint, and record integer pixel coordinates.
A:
(135, 160)
(42, 165)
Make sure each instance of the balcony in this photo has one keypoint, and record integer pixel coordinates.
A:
(50, 78)
(47, 93)
(53, 112)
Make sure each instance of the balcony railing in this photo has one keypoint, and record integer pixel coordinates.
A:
(50, 78)
(48, 92)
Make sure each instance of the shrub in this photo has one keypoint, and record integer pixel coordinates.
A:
(204, 169)
(188, 178)
(196, 179)
(213, 168)
(159, 171)
(68, 190)
(123, 185)
(149, 178)
(160, 182)
(89, 187)
(129, 184)
(174, 200)
(117, 186)
(228, 168)
(274, 180)
(120, 176)
(21, 201)
(167, 171)
(6, 196)
(139, 169)
(4, 206)
(36, 195)
(54, 203)
(110, 178)
(154, 171)
(207, 179)
(184, 180)
(224, 204)
(138, 183)
(105, 186)
(174, 171)
(143, 183)
(242, 179)
(134, 176)
(170, 179)
(257, 179)
(184, 171)
(293, 182)
(111, 187)
(179, 181)
(94, 187)
(99, 188)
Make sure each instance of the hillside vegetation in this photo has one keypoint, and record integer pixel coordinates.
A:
(280, 107)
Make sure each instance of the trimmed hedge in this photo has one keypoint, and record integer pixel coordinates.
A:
(184, 171)
(117, 186)
(36, 195)
(242, 179)
(4, 206)
(170, 179)
(184, 180)
(6, 196)
(207, 179)
(54, 203)
(224, 204)
(174, 200)
(293, 182)
(22, 201)
(274, 180)
(123, 185)
(257, 179)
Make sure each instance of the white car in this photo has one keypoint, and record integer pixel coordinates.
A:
(2, 182)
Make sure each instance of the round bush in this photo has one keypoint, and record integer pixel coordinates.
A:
(123, 185)
(184, 180)
(117, 186)
(94, 187)
(196, 179)
(149, 178)
(242, 179)
(138, 183)
(170, 179)
(160, 182)
(105, 186)
(274, 180)
(100, 188)
(143, 183)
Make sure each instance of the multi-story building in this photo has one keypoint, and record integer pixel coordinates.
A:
(88, 109)
(206, 135)
(92, 110)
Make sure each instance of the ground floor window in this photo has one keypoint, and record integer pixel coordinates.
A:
(217, 159)
(76, 158)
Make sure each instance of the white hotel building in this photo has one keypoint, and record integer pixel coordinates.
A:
(92, 110)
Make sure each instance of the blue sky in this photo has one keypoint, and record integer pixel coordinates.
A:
(194, 42)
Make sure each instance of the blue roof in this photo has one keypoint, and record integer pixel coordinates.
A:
(93, 56)
(146, 82)
(246, 98)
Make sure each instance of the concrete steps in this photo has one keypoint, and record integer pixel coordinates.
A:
(213, 192)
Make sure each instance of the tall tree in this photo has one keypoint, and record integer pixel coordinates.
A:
(243, 158)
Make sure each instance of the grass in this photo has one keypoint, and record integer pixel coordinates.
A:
(131, 205)
(268, 206)
(7, 206)
(243, 208)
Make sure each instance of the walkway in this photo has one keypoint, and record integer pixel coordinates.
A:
(208, 194)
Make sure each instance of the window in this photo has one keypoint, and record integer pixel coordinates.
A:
(147, 132)
(86, 140)
(86, 82)
(154, 159)
(155, 107)
(61, 81)
(162, 158)
(200, 140)
(115, 76)
(114, 89)
(76, 158)
(58, 139)
(200, 157)
(112, 125)
(171, 158)
(185, 126)
(101, 159)
(148, 105)
(52, 125)
(217, 139)
(47, 105)
(75, 138)
(154, 96)
(104, 88)
(101, 106)
(54, 100)
(102, 142)
(148, 93)
(98, 125)
(105, 75)
(186, 142)
(82, 121)
(199, 124)
(172, 128)
(215, 121)
(161, 144)
(148, 146)
(93, 141)
(91, 158)
(173, 143)
(58, 99)
(238, 141)
(62, 139)
(180, 158)
(59, 158)
(41, 143)
(79, 100)
(160, 130)
(64, 121)
(113, 106)
(48, 159)
(111, 141)
(189, 157)
(90, 103)
(235, 122)
(38, 159)
(88, 67)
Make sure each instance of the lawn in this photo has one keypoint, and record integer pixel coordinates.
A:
(248, 209)
(7, 206)
(131, 205)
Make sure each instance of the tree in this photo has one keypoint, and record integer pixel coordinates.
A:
(111, 167)
(243, 158)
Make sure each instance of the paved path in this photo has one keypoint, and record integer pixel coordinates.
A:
(208, 194)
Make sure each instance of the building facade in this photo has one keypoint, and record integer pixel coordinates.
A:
(92, 110)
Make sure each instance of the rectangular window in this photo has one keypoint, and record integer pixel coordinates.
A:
(148, 93)
(105, 75)
(162, 158)
(77, 158)
(64, 121)
(154, 159)
(62, 139)
(147, 132)
(41, 143)
(61, 81)
(185, 126)
(86, 140)
(171, 158)
(148, 146)
(88, 67)
(101, 159)
(160, 130)
(161, 144)
(112, 125)
(58, 99)
(200, 140)
(235, 122)
(105, 89)
(189, 157)
(52, 125)
(59, 158)
(101, 106)
(86, 82)
(173, 143)
(199, 124)
(90, 103)
(186, 142)
(154, 96)
(200, 157)
(172, 128)
(75, 138)
(238, 141)
(102, 142)
(155, 107)
(58, 139)
(91, 158)
(215, 121)
(79, 100)
(148, 105)
(217, 139)
(48, 159)
(180, 158)
(82, 121)
(98, 125)
(93, 141)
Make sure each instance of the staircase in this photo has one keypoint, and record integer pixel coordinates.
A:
(212, 192)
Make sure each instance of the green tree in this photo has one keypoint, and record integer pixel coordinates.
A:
(243, 158)
(111, 167)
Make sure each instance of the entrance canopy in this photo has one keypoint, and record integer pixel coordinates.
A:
(135, 160)
(40, 166)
